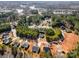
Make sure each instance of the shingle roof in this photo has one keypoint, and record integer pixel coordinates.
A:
(6, 41)
(46, 49)
(35, 49)
(5, 35)
(16, 44)
(41, 35)
(25, 45)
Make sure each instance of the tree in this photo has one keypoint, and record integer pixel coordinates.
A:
(14, 52)
(50, 32)
(2, 49)
(24, 31)
(53, 35)
(72, 54)
(5, 27)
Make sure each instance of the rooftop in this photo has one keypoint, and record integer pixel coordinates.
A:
(25, 45)
(46, 49)
(15, 44)
(35, 49)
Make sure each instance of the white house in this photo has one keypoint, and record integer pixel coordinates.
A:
(63, 11)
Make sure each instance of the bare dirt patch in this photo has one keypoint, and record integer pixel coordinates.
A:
(69, 43)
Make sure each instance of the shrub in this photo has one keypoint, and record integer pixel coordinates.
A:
(55, 36)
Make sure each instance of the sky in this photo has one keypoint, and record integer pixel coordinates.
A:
(39, 0)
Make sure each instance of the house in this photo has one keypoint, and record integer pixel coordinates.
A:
(35, 49)
(41, 35)
(5, 10)
(5, 35)
(62, 27)
(15, 44)
(63, 11)
(7, 41)
(6, 38)
(46, 49)
(33, 7)
(19, 11)
(25, 45)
